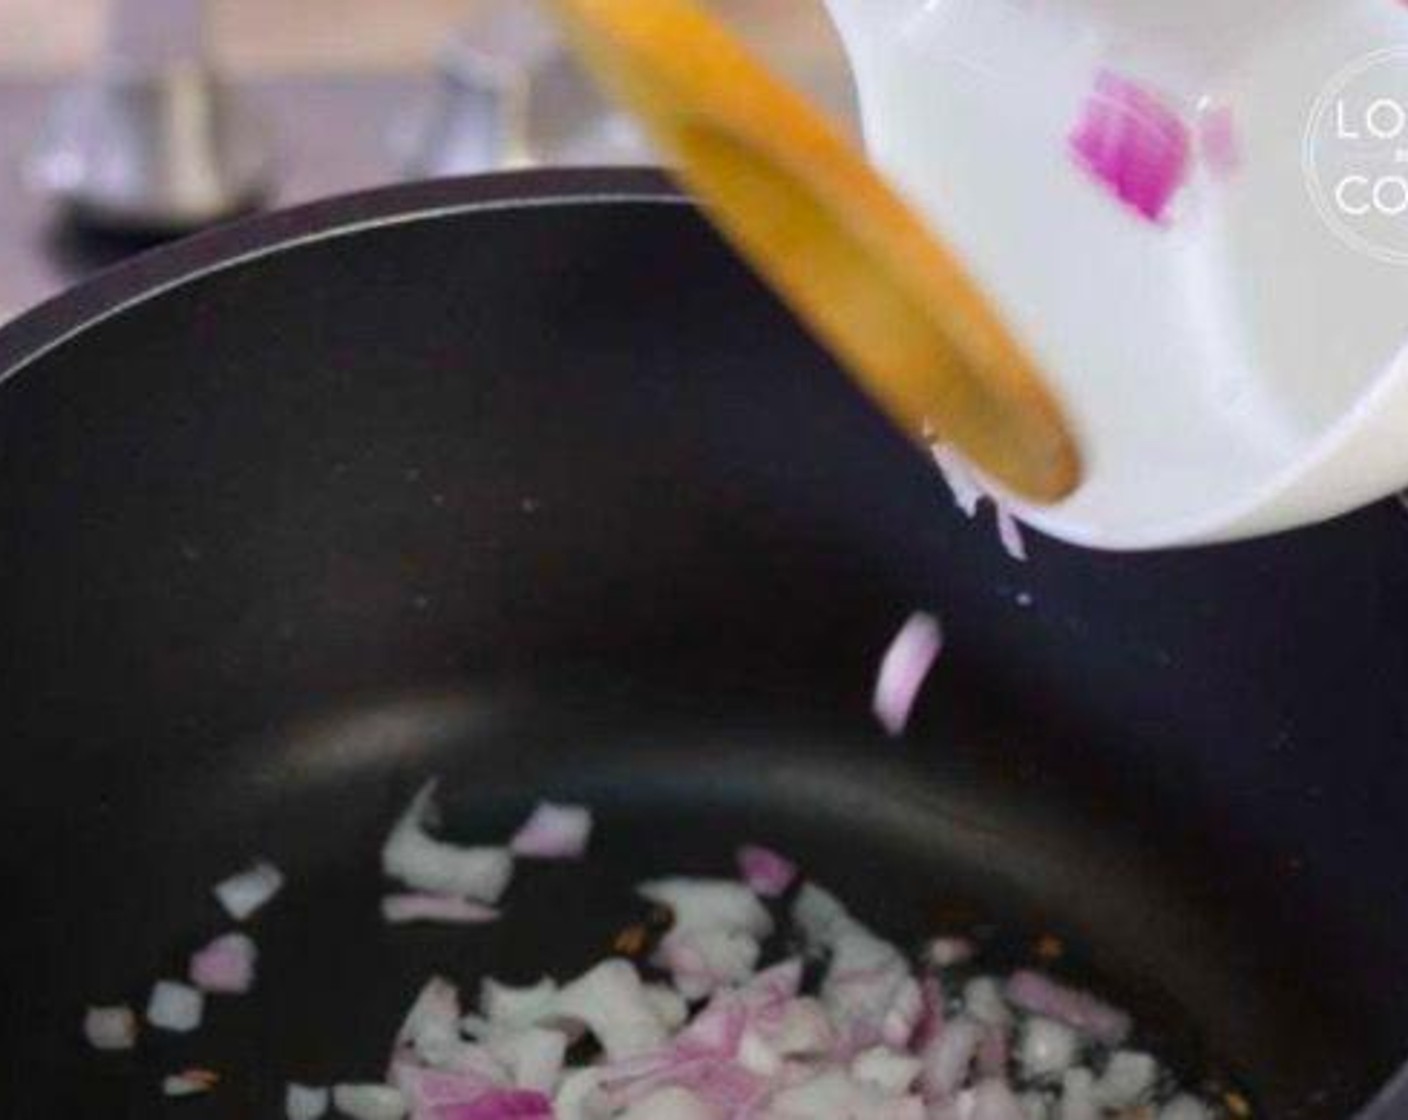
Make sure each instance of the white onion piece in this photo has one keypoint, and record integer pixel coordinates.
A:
(369, 1102)
(949, 1057)
(174, 1006)
(1078, 1096)
(945, 952)
(226, 965)
(110, 1028)
(305, 1102)
(444, 909)
(863, 982)
(423, 863)
(671, 1103)
(534, 1057)
(1185, 1107)
(669, 1005)
(1036, 1106)
(1047, 1047)
(820, 916)
(803, 1030)
(507, 1006)
(189, 1083)
(903, 669)
(709, 904)
(983, 1001)
(887, 1070)
(700, 961)
(553, 832)
(244, 894)
(1128, 1078)
(435, 1011)
(994, 1100)
(580, 1096)
(611, 1002)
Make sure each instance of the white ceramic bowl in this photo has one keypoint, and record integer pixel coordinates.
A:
(1237, 366)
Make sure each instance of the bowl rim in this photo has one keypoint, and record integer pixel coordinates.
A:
(49, 324)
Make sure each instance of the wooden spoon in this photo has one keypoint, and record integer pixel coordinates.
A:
(826, 232)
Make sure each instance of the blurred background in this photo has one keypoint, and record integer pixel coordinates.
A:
(128, 122)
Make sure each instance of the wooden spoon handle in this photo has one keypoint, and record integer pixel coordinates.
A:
(832, 238)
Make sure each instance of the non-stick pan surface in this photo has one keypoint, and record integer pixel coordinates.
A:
(526, 483)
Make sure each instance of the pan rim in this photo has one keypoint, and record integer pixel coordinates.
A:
(52, 323)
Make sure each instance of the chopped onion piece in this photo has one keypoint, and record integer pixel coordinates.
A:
(580, 1096)
(671, 1103)
(110, 1028)
(945, 952)
(1078, 1096)
(983, 1001)
(611, 1002)
(446, 909)
(767, 873)
(1048, 1048)
(1185, 1107)
(903, 669)
(1128, 1078)
(226, 965)
(1038, 994)
(887, 1070)
(305, 1102)
(709, 904)
(669, 1006)
(190, 1083)
(534, 1057)
(244, 894)
(1009, 532)
(554, 832)
(369, 1102)
(423, 863)
(517, 1007)
(948, 1058)
(1134, 144)
(174, 1006)
(993, 1100)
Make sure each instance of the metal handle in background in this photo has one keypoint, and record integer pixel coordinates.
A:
(507, 94)
(152, 142)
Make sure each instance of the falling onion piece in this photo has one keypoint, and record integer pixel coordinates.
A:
(425, 864)
(767, 873)
(244, 894)
(446, 909)
(305, 1102)
(369, 1102)
(175, 1007)
(190, 1083)
(903, 669)
(1133, 144)
(226, 965)
(553, 831)
(110, 1028)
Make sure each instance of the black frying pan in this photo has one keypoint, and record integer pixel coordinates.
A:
(524, 481)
